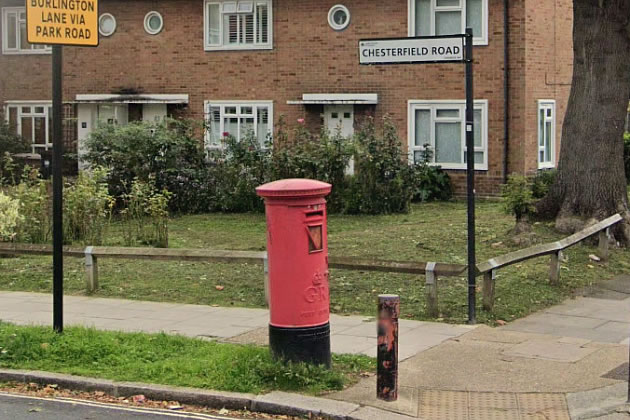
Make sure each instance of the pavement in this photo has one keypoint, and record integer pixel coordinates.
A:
(569, 361)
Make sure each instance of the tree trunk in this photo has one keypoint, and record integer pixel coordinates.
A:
(591, 181)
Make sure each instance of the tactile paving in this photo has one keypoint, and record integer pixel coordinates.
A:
(543, 406)
(443, 405)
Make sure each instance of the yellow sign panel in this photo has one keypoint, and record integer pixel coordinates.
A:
(62, 22)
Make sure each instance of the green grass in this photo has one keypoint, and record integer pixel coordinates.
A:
(169, 360)
(431, 232)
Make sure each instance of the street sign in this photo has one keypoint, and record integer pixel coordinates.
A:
(59, 23)
(412, 50)
(62, 22)
(439, 49)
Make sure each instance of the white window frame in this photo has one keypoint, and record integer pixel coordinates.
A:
(220, 46)
(477, 40)
(5, 38)
(546, 104)
(433, 106)
(100, 24)
(148, 17)
(238, 104)
(33, 104)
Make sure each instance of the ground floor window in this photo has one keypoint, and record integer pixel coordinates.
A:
(440, 126)
(32, 121)
(546, 133)
(237, 119)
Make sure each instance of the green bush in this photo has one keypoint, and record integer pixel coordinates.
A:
(9, 217)
(167, 154)
(35, 208)
(430, 182)
(169, 157)
(145, 215)
(626, 154)
(87, 208)
(9, 143)
(542, 182)
(517, 197)
(237, 170)
(384, 180)
(324, 157)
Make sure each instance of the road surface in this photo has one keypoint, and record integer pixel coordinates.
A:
(18, 407)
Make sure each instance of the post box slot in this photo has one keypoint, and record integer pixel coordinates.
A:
(315, 238)
(316, 214)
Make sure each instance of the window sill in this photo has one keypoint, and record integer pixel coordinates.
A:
(456, 167)
(546, 166)
(34, 52)
(238, 48)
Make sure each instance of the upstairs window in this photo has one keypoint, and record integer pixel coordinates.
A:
(243, 24)
(237, 119)
(448, 17)
(14, 40)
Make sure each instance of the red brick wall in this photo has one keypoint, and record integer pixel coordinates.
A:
(308, 57)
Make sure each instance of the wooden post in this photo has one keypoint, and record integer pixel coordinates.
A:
(431, 291)
(387, 350)
(602, 250)
(554, 268)
(489, 278)
(266, 268)
(91, 270)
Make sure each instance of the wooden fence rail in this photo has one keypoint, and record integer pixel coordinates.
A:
(488, 269)
(92, 254)
(431, 270)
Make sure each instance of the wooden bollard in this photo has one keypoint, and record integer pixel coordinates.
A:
(387, 352)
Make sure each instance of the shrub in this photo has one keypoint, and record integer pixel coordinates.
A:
(237, 170)
(9, 143)
(324, 157)
(542, 182)
(35, 207)
(517, 197)
(430, 182)
(10, 217)
(626, 154)
(87, 208)
(383, 180)
(166, 154)
(145, 216)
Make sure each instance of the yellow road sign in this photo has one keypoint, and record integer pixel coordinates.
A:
(62, 22)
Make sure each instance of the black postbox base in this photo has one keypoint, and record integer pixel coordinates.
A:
(309, 344)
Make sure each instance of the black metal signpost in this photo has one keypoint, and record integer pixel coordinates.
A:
(58, 24)
(439, 49)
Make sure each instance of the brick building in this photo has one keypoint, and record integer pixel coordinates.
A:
(243, 64)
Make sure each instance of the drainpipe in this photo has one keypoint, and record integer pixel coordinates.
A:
(506, 89)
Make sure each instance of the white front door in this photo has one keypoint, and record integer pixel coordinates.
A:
(339, 117)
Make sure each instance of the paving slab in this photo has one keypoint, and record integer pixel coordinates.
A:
(551, 350)
(349, 334)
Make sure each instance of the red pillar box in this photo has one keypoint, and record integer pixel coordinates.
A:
(297, 246)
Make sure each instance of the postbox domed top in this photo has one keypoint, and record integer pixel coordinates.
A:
(288, 188)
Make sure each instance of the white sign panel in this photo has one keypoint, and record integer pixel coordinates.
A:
(411, 50)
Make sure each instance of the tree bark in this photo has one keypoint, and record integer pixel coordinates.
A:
(591, 182)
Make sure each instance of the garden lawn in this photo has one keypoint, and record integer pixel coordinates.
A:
(430, 232)
(170, 360)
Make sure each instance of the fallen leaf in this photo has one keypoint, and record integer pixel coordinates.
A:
(595, 258)
(224, 411)
(219, 288)
(501, 322)
(138, 399)
(590, 266)
(34, 410)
